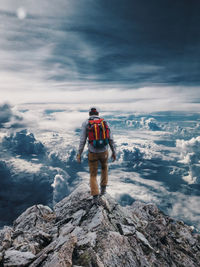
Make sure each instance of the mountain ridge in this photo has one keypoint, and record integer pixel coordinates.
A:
(80, 233)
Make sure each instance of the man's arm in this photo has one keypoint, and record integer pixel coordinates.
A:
(112, 145)
(83, 138)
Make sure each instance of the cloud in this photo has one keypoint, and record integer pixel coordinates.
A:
(24, 144)
(189, 154)
(83, 95)
(59, 52)
(146, 168)
(44, 8)
(26, 168)
(144, 123)
(135, 186)
(9, 119)
(60, 188)
(185, 207)
(150, 124)
(5, 114)
(21, 188)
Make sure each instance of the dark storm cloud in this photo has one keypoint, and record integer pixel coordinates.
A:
(130, 42)
(7, 116)
(17, 192)
(29, 175)
(24, 144)
(21, 187)
(133, 41)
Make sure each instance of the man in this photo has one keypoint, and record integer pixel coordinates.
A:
(98, 150)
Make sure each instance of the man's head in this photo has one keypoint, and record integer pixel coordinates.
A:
(93, 111)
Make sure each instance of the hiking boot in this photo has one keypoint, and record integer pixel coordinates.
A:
(95, 200)
(103, 190)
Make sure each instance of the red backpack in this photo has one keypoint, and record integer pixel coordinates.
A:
(99, 133)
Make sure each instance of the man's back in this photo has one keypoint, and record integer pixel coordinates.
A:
(96, 153)
(84, 136)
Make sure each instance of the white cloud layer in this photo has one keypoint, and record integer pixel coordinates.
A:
(18, 165)
(147, 99)
(186, 208)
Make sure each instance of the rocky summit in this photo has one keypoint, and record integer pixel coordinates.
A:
(79, 232)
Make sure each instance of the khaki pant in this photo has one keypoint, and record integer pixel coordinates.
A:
(93, 159)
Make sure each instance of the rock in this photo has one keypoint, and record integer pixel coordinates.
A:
(62, 256)
(17, 258)
(89, 239)
(37, 216)
(127, 229)
(31, 232)
(6, 237)
(142, 238)
(1, 257)
(76, 201)
(79, 233)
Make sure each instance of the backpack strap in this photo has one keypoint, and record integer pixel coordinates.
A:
(95, 131)
(103, 128)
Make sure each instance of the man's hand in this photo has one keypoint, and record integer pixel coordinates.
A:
(113, 157)
(78, 158)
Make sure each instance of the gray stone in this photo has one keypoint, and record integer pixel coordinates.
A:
(37, 216)
(127, 229)
(17, 258)
(78, 233)
(62, 257)
(142, 238)
(6, 235)
(1, 257)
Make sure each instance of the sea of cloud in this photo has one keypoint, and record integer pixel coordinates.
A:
(158, 158)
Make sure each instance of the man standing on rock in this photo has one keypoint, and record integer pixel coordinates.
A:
(99, 136)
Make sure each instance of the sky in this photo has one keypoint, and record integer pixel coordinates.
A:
(138, 62)
(135, 54)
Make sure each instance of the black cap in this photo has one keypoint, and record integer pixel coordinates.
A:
(93, 111)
